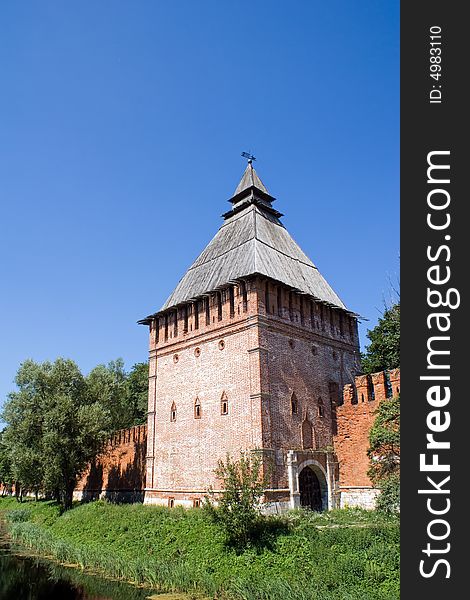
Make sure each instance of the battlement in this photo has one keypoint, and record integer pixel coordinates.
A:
(372, 388)
(355, 418)
(136, 434)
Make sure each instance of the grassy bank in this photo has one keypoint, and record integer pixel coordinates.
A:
(341, 555)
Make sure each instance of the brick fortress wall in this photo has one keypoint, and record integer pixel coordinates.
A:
(118, 473)
(310, 351)
(355, 417)
(256, 344)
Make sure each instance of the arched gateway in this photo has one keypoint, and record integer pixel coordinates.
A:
(311, 489)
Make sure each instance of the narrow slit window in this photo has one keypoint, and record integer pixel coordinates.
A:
(294, 404)
(244, 296)
(157, 331)
(208, 310)
(197, 409)
(320, 407)
(224, 404)
(231, 295)
(185, 318)
(175, 317)
(171, 502)
(173, 413)
(166, 328)
(219, 306)
(196, 314)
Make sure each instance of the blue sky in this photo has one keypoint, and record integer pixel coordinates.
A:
(121, 128)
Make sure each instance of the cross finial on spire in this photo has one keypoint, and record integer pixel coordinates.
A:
(249, 156)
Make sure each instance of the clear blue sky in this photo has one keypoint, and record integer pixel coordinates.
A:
(121, 128)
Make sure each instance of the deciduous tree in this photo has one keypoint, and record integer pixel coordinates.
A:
(55, 426)
(383, 352)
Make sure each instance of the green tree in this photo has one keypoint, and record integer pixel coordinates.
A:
(107, 385)
(137, 392)
(6, 477)
(383, 352)
(243, 484)
(55, 426)
(384, 454)
(23, 436)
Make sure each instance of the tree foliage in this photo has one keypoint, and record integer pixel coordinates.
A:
(243, 484)
(138, 390)
(58, 420)
(6, 478)
(55, 427)
(384, 454)
(383, 352)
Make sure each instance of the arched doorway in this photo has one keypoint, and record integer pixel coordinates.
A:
(310, 490)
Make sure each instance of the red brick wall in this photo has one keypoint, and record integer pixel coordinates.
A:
(218, 358)
(355, 418)
(269, 352)
(304, 355)
(119, 471)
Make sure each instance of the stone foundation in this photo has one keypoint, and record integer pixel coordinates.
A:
(362, 497)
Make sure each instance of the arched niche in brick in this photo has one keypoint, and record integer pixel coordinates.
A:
(308, 438)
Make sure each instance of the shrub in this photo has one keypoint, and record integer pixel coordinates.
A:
(237, 512)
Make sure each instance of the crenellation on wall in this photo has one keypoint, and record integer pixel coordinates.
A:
(355, 418)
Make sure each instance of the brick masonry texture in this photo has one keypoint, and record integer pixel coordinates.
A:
(254, 366)
(118, 473)
(355, 418)
(254, 345)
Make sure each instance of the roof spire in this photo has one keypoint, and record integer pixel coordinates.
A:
(250, 177)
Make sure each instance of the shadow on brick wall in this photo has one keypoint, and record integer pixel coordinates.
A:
(112, 477)
(128, 485)
(94, 482)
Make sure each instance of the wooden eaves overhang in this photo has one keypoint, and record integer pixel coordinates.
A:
(251, 241)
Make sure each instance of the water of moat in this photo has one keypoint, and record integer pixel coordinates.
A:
(24, 577)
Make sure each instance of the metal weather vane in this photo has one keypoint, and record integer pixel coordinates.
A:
(249, 156)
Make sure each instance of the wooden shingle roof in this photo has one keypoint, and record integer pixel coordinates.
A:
(252, 240)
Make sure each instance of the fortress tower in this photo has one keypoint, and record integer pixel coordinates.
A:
(250, 352)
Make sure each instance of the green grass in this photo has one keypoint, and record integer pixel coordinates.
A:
(339, 555)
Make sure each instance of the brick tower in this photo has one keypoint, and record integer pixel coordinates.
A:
(249, 352)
